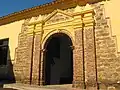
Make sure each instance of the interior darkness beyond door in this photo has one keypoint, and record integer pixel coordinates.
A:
(59, 60)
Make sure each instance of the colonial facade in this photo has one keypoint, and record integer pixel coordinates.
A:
(63, 42)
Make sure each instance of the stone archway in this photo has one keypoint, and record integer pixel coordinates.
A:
(58, 60)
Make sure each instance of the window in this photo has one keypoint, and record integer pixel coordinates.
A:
(3, 51)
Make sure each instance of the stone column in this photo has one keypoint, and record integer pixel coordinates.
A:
(89, 53)
(78, 60)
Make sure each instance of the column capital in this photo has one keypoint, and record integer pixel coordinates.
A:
(39, 27)
(30, 29)
(88, 19)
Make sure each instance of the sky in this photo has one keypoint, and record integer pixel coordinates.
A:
(10, 6)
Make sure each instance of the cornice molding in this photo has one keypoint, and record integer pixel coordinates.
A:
(43, 9)
(88, 14)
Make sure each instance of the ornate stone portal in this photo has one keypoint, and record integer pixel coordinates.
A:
(78, 25)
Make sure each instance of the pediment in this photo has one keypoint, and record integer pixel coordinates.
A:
(57, 16)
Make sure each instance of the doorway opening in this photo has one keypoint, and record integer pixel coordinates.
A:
(58, 60)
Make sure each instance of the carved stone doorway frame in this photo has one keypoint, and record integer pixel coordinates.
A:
(79, 26)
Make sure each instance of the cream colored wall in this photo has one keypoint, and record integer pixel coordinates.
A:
(11, 31)
(112, 10)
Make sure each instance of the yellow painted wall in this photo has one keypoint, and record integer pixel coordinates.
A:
(112, 10)
(11, 31)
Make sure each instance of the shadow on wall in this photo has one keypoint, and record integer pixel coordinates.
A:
(10, 73)
(6, 70)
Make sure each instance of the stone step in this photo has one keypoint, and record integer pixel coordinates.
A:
(19, 86)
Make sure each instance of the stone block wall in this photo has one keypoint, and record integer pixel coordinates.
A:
(23, 55)
(108, 60)
(100, 61)
(27, 56)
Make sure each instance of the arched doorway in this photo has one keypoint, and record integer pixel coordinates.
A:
(58, 60)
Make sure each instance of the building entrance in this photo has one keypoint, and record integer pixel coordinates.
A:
(58, 61)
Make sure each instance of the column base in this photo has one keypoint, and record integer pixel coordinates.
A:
(35, 82)
(78, 84)
(91, 86)
(42, 83)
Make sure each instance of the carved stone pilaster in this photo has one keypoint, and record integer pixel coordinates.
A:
(28, 61)
(39, 27)
(36, 59)
(78, 78)
(36, 64)
(89, 57)
(30, 30)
